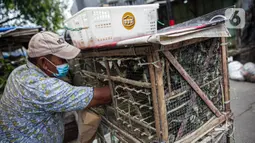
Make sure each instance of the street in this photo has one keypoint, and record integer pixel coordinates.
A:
(243, 107)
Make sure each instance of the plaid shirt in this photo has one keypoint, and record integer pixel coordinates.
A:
(32, 104)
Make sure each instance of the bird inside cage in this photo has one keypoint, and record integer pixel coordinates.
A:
(129, 69)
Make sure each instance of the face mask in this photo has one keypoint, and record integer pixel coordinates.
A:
(62, 70)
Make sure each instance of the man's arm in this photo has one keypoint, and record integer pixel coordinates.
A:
(101, 96)
(56, 95)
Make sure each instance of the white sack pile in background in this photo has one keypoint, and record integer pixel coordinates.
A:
(248, 71)
(234, 69)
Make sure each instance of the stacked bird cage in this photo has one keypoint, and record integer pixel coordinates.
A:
(172, 93)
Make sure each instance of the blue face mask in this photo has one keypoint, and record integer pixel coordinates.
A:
(62, 70)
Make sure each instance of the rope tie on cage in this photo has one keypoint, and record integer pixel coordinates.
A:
(152, 63)
(225, 44)
(226, 102)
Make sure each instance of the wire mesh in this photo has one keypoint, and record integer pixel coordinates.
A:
(132, 107)
(133, 104)
(186, 111)
(135, 110)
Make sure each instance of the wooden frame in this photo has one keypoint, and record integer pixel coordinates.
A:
(161, 94)
(152, 53)
(225, 74)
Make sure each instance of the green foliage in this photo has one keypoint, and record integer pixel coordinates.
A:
(47, 13)
(6, 68)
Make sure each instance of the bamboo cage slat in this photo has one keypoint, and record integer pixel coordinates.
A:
(161, 97)
(119, 79)
(177, 108)
(111, 86)
(168, 79)
(118, 52)
(154, 97)
(181, 44)
(225, 75)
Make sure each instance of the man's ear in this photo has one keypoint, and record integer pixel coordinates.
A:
(43, 63)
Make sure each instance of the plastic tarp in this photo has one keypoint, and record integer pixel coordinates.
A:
(3, 29)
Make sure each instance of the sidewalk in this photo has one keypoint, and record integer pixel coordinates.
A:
(243, 107)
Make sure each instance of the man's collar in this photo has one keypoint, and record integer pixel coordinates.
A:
(32, 66)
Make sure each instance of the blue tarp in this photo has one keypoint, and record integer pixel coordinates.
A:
(15, 53)
(4, 29)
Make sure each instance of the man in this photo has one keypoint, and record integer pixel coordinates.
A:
(34, 98)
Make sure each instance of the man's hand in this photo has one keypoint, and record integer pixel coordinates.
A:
(101, 96)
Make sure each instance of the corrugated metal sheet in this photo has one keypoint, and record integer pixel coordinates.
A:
(16, 37)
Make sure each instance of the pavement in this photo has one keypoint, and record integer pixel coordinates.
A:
(243, 107)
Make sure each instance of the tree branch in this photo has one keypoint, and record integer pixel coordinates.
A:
(9, 19)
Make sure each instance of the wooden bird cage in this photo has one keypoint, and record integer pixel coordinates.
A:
(161, 93)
